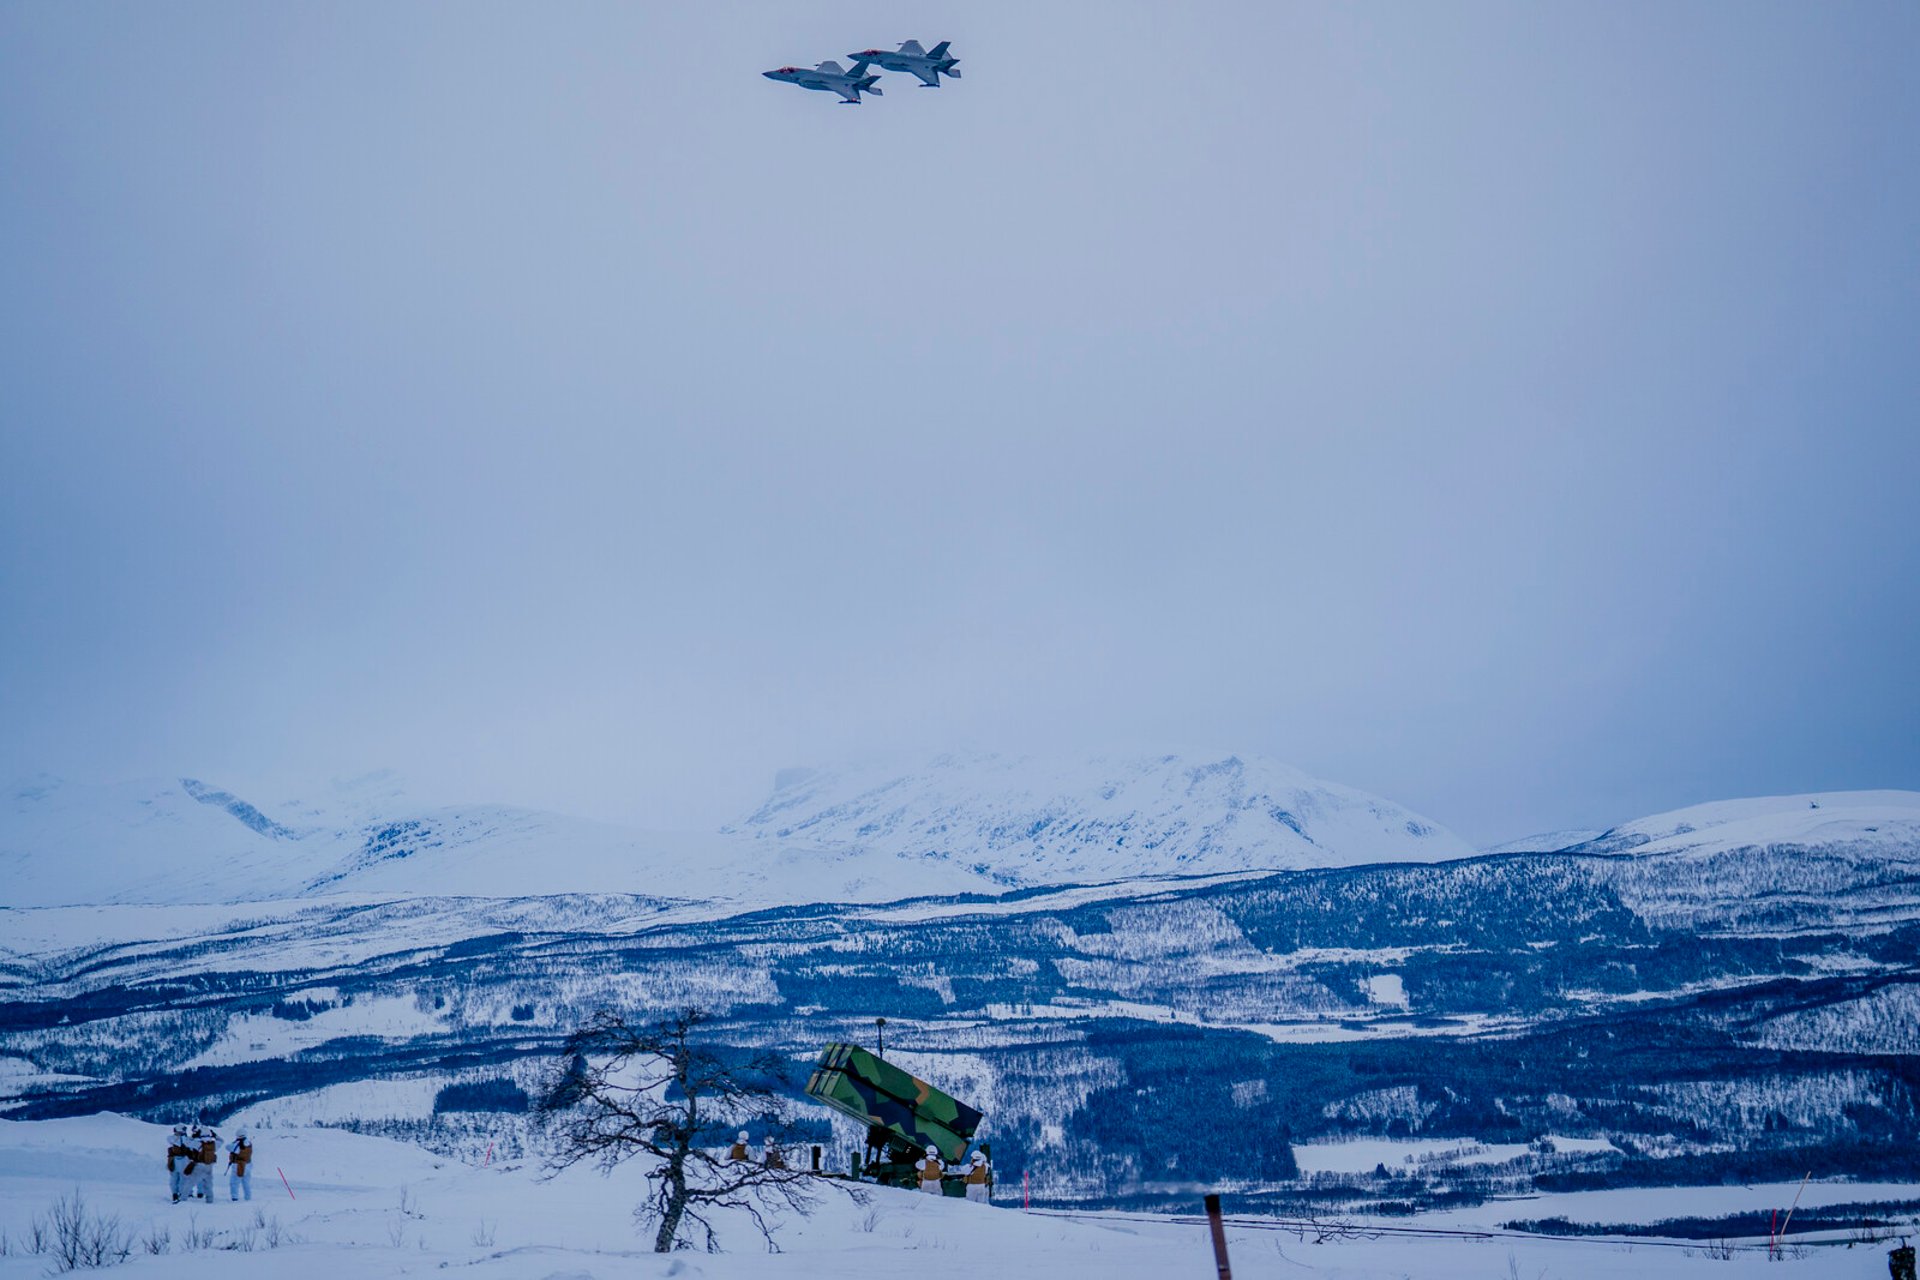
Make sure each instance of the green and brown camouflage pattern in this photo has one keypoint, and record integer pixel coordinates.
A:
(878, 1094)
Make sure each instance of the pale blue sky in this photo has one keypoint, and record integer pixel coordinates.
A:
(1509, 408)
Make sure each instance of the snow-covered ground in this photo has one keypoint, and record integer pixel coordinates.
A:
(363, 1206)
(1362, 1155)
(252, 1037)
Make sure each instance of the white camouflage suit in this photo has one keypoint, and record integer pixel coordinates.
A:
(977, 1174)
(176, 1165)
(203, 1167)
(240, 1168)
(930, 1170)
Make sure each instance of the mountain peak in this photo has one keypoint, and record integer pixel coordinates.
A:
(1021, 820)
(1815, 818)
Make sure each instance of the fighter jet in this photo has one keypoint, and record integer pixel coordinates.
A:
(828, 75)
(914, 60)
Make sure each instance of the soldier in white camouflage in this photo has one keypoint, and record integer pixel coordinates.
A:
(178, 1154)
(203, 1161)
(979, 1178)
(240, 1167)
(931, 1171)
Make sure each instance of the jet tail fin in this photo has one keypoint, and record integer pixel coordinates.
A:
(939, 50)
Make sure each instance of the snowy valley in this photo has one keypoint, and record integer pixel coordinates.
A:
(1725, 994)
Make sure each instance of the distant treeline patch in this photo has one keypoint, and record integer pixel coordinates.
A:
(1871, 1221)
(497, 1094)
(300, 1010)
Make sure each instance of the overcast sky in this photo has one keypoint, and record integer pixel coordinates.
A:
(1508, 408)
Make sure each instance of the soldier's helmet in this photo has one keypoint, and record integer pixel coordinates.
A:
(241, 1136)
(743, 1135)
(933, 1151)
(179, 1131)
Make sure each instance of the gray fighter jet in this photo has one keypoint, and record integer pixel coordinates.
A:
(828, 75)
(912, 59)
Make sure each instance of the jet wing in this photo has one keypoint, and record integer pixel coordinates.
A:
(830, 69)
(847, 92)
(927, 75)
(912, 49)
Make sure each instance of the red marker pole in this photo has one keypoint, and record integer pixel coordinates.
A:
(285, 1183)
(489, 1159)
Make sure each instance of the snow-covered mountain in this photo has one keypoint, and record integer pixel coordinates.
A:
(1865, 821)
(1022, 820)
(952, 824)
(183, 840)
(1546, 841)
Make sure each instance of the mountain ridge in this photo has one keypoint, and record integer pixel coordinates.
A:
(1097, 818)
(950, 824)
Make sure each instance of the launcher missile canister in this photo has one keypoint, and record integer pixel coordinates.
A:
(875, 1092)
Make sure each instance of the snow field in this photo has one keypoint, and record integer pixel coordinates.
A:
(1363, 1155)
(252, 1037)
(371, 1207)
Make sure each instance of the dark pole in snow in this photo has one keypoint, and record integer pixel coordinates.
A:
(1219, 1231)
(1791, 1208)
(880, 1034)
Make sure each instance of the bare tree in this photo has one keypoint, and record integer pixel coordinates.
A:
(83, 1238)
(654, 1090)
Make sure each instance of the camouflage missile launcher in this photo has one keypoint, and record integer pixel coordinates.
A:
(904, 1115)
